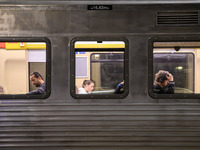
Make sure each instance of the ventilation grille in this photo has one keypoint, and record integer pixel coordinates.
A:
(177, 18)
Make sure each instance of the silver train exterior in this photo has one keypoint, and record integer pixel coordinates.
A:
(60, 122)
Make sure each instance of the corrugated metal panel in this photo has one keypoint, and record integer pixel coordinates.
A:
(105, 126)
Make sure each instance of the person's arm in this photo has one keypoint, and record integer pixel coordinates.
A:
(157, 89)
(40, 90)
(34, 92)
(119, 87)
(170, 87)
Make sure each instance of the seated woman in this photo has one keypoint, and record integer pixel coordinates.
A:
(88, 87)
(163, 83)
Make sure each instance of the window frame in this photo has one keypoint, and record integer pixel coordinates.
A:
(48, 68)
(150, 68)
(72, 69)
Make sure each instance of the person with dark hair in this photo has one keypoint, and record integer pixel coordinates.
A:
(87, 87)
(37, 80)
(120, 88)
(163, 83)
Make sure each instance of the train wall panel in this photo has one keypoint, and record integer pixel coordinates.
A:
(105, 126)
(61, 122)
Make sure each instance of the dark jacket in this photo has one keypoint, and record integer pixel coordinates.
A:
(119, 89)
(169, 89)
(40, 90)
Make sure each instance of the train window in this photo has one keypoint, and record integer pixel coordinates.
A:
(25, 68)
(175, 72)
(100, 69)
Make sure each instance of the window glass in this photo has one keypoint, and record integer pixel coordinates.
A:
(110, 68)
(175, 69)
(181, 66)
(19, 61)
(99, 69)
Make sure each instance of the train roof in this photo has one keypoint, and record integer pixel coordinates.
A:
(136, 2)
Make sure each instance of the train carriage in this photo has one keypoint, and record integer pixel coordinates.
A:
(108, 45)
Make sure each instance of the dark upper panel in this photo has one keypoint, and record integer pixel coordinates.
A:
(97, 2)
(64, 19)
(32, 21)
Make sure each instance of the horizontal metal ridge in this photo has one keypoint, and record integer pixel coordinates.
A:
(177, 18)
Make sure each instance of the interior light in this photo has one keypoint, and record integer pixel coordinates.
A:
(179, 68)
(96, 56)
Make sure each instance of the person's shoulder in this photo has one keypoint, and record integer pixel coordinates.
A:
(81, 91)
(44, 84)
(157, 89)
(156, 86)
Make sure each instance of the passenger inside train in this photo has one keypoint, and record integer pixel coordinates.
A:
(38, 81)
(163, 83)
(87, 87)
